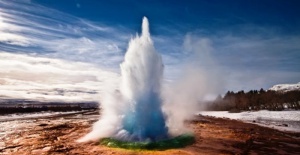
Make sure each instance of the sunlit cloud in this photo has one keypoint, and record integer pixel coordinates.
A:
(45, 31)
(48, 79)
(13, 39)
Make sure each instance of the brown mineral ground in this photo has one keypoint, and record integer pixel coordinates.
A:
(57, 136)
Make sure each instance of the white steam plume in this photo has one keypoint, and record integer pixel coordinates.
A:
(199, 80)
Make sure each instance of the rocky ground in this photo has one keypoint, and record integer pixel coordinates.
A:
(57, 135)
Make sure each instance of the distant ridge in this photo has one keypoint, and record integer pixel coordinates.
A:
(286, 87)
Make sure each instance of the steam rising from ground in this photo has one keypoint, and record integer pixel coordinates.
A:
(140, 111)
(199, 82)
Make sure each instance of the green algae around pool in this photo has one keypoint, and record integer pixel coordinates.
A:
(176, 142)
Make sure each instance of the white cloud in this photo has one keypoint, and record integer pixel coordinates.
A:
(37, 78)
(13, 39)
(51, 33)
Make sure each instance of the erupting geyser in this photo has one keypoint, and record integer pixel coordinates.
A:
(141, 77)
(134, 113)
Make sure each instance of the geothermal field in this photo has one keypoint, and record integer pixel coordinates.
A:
(149, 77)
(58, 135)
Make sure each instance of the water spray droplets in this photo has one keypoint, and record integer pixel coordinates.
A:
(145, 28)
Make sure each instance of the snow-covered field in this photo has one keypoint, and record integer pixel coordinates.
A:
(33, 115)
(281, 120)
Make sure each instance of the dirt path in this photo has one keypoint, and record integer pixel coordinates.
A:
(213, 136)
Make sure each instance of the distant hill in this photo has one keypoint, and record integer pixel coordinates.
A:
(286, 87)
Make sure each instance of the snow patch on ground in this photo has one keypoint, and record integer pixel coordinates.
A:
(33, 115)
(280, 120)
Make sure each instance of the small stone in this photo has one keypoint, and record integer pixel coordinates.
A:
(16, 141)
(41, 151)
(85, 123)
(48, 148)
(38, 151)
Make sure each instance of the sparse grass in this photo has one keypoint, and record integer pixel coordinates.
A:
(176, 142)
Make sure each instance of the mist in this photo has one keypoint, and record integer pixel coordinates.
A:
(199, 81)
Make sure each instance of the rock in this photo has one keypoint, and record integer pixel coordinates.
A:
(33, 136)
(48, 148)
(41, 151)
(2, 145)
(43, 124)
(38, 151)
(284, 125)
(85, 123)
(16, 141)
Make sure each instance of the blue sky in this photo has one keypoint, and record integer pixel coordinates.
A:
(251, 44)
